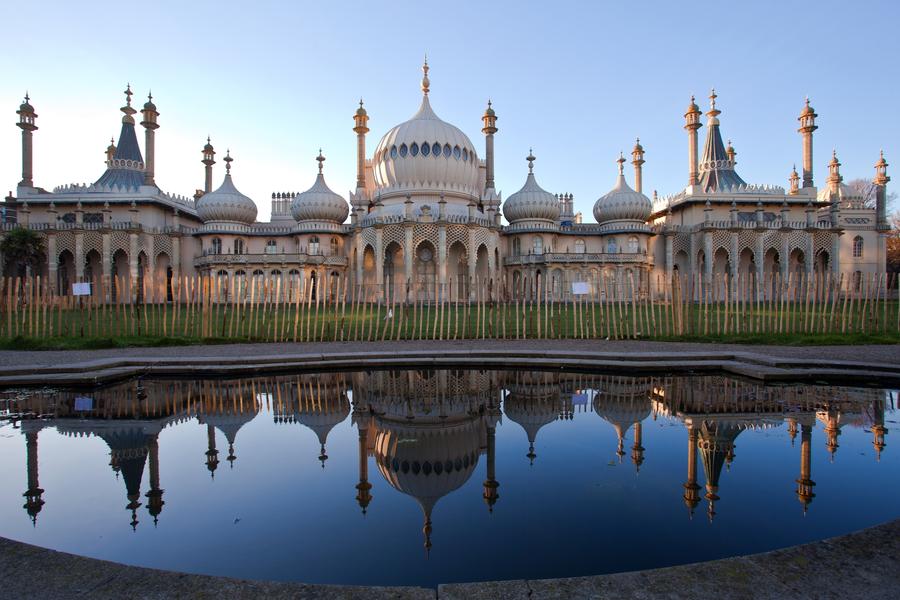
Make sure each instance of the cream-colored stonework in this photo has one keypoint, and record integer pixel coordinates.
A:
(425, 219)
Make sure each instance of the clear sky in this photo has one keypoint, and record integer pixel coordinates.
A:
(577, 81)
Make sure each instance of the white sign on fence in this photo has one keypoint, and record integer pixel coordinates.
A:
(81, 289)
(581, 287)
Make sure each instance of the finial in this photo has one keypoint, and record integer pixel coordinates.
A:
(26, 97)
(360, 102)
(425, 82)
(228, 160)
(621, 162)
(489, 102)
(208, 140)
(128, 94)
(530, 158)
(321, 160)
(712, 98)
(150, 96)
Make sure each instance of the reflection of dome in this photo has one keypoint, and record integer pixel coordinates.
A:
(319, 203)
(321, 415)
(531, 202)
(427, 154)
(229, 424)
(622, 203)
(623, 406)
(532, 408)
(226, 204)
(427, 460)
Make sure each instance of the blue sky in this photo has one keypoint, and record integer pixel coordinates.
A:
(577, 81)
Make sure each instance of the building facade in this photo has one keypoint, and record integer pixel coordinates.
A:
(424, 220)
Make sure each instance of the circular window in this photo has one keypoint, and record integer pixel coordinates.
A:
(403, 150)
(425, 255)
(414, 149)
(393, 151)
(436, 149)
(426, 149)
(447, 150)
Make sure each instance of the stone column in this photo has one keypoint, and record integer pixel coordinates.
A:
(150, 273)
(735, 264)
(106, 260)
(176, 257)
(810, 253)
(133, 262)
(708, 255)
(835, 254)
(360, 259)
(53, 263)
(79, 255)
(472, 257)
(785, 256)
(379, 263)
(408, 252)
(670, 255)
(442, 259)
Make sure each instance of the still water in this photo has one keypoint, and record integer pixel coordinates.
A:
(425, 477)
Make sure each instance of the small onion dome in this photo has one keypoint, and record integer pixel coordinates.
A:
(319, 203)
(807, 109)
(26, 106)
(622, 203)
(361, 112)
(692, 107)
(489, 111)
(226, 203)
(149, 105)
(208, 147)
(532, 202)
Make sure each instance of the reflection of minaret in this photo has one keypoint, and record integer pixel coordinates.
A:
(637, 451)
(832, 419)
(212, 455)
(625, 403)
(154, 496)
(716, 444)
(33, 500)
(691, 489)
(792, 429)
(363, 497)
(490, 484)
(878, 428)
(804, 483)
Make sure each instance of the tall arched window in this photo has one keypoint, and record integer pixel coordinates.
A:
(538, 244)
(333, 246)
(857, 247)
(633, 244)
(611, 246)
(271, 247)
(216, 246)
(238, 246)
(517, 246)
(579, 246)
(314, 244)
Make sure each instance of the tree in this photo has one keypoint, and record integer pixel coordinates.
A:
(866, 189)
(893, 245)
(22, 248)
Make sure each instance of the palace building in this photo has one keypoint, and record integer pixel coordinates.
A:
(425, 219)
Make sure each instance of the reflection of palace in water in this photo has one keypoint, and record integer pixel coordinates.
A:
(427, 430)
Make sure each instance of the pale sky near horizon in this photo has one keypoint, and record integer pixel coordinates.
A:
(577, 81)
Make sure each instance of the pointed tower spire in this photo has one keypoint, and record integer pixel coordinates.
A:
(880, 181)
(425, 81)
(490, 128)
(530, 158)
(716, 165)
(361, 128)
(808, 125)
(209, 159)
(794, 181)
(691, 125)
(228, 160)
(621, 161)
(637, 159)
(150, 125)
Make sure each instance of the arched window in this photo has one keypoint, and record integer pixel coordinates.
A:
(611, 246)
(538, 244)
(333, 244)
(426, 149)
(436, 149)
(216, 246)
(314, 245)
(517, 246)
(457, 154)
(857, 247)
(465, 154)
(633, 244)
(579, 246)
(403, 150)
(271, 247)
(393, 151)
(258, 273)
(238, 246)
(414, 149)
(447, 151)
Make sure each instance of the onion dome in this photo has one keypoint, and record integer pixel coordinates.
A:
(361, 111)
(426, 153)
(149, 105)
(622, 203)
(319, 203)
(226, 203)
(692, 107)
(532, 202)
(26, 106)
(807, 109)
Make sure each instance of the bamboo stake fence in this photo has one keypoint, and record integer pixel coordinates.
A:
(259, 309)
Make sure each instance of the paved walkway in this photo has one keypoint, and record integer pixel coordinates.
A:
(865, 564)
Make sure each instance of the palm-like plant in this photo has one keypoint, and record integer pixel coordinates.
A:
(22, 248)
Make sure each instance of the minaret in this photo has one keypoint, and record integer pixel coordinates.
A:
(878, 428)
(154, 496)
(489, 129)
(807, 120)
(834, 174)
(111, 150)
(880, 181)
(490, 484)
(360, 121)
(804, 483)
(33, 501)
(363, 497)
(731, 153)
(637, 450)
(691, 489)
(26, 124)
(212, 455)
(794, 181)
(637, 159)
(692, 124)
(209, 159)
(150, 126)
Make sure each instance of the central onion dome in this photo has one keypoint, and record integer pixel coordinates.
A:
(319, 203)
(532, 202)
(426, 154)
(622, 203)
(226, 203)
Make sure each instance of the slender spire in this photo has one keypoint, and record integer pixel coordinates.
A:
(321, 160)
(530, 158)
(425, 82)
(228, 161)
(621, 161)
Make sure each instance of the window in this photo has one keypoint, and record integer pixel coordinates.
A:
(857, 247)
(436, 149)
(447, 151)
(393, 151)
(633, 244)
(216, 246)
(258, 273)
(333, 244)
(516, 247)
(456, 153)
(403, 150)
(611, 246)
(579, 246)
(465, 154)
(414, 149)
(538, 245)
(314, 244)
(426, 149)
(271, 247)
(238, 246)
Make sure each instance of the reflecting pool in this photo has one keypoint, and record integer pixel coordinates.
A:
(427, 477)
